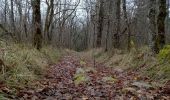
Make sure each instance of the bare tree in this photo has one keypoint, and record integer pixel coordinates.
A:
(49, 18)
(12, 17)
(161, 24)
(100, 23)
(37, 24)
(153, 25)
(5, 11)
(117, 34)
(127, 24)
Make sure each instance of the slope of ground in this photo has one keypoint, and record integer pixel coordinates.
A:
(157, 67)
(20, 64)
(80, 76)
(76, 79)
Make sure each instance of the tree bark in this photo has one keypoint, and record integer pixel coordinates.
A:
(127, 25)
(5, 11)
(100, 23)
(161, 24)
(12, 17)
(37, 24)
(153, 25)
(19, 7)
(49, 18)
(116, 35)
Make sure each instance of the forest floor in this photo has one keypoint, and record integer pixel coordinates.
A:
(74, 78)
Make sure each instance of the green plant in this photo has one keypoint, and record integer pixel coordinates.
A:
(2, 97)
(164, 54)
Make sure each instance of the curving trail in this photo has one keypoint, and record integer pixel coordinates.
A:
(74, 79)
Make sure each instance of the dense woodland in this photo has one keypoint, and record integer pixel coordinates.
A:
(132, 36)
(85, 24)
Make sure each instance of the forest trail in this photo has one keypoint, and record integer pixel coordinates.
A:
(75, 79)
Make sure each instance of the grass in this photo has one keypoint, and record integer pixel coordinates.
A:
(24, 64)
(161, 70)
(157, 67)
(2, 97)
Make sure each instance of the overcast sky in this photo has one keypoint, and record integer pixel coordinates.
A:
(80, 12)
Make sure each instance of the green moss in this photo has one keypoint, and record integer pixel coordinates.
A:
(80, 78)
(164, 54)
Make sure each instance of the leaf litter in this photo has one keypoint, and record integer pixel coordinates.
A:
(72, 79)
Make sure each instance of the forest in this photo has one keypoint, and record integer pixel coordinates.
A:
(84, 49)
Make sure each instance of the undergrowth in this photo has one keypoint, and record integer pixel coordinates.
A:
(157, 67)
(23, 63)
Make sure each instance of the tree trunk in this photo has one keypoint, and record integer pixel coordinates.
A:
(37, 24)
(5, 11)
(161, 24)
(108, 40)
(127, 25)
(116, 35)
(152, 25)
(100, 23)
(12, 17)
(19, 7)
(49, 18)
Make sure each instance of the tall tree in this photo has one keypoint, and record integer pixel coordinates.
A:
(19, 7)
(12, 17)
(5, 11)
(109, 8)
(127, 24)
(117, 34)
(161, 24)
(37, 24)
(100, 23)
(49, 18)
(153, 25)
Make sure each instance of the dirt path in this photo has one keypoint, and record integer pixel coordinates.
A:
(74, 79)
